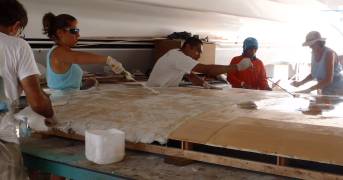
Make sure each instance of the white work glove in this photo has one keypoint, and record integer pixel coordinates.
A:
(206, 85)
(244, 64)
(128, 76)
(115, 65)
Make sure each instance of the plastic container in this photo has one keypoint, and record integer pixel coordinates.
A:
(105, 146)
(24, 129)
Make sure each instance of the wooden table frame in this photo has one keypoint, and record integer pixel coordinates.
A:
(280, 167)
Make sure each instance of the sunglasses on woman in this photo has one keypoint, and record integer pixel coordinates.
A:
(73, 30)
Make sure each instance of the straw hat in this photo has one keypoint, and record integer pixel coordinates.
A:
(312, 37)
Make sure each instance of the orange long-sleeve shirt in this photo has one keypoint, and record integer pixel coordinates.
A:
(254, 77)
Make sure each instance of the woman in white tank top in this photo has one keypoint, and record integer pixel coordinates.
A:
(325, 67)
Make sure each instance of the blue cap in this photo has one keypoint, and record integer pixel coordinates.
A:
(250, 43)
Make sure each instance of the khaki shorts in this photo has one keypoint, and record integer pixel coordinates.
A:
(11, 163)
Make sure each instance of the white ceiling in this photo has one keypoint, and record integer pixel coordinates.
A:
(233, 20)
(278, 10)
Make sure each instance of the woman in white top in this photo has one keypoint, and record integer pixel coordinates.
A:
(325, 67)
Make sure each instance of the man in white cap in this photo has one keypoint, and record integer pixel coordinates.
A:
(325, 67)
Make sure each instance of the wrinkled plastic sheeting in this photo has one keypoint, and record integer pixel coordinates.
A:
(35, 121)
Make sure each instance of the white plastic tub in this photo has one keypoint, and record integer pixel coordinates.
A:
(105, 146)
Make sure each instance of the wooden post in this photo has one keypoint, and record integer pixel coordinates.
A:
(178, 161)
(281, 161)
(186, 145)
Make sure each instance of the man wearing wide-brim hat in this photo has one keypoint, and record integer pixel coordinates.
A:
(325, 67)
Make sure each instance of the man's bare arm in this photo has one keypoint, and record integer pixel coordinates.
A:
(214, 70)
(37, 99)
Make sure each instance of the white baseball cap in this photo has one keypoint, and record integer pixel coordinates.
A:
(312, 37)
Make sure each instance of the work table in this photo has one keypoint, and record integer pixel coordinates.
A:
(265, 122)
(66, 158)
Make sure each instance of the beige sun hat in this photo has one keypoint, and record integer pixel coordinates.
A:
(313, 37)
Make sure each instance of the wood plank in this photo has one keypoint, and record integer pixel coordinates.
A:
(220, 160)
(196, 131)
(234, 162)
(297, 141)
(58, 133)
(283, 139)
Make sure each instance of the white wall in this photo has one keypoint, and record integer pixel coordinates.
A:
(132, 59)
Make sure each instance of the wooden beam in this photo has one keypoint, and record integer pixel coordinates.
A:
(58, 133)
(234, 162)
(280, 168)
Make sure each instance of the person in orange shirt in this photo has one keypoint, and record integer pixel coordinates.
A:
(253, 77)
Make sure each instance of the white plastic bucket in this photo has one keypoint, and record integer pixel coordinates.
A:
(105, 146)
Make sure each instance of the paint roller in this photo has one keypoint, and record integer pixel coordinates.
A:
(129, 76)
(276, 84)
